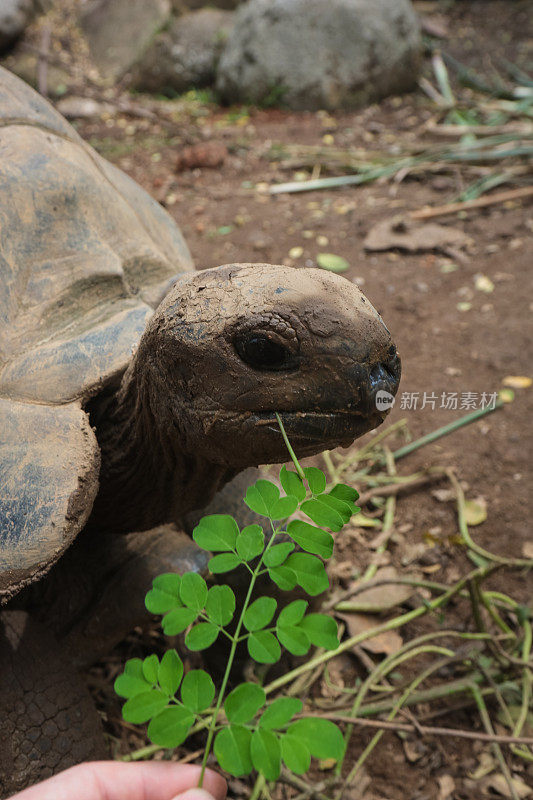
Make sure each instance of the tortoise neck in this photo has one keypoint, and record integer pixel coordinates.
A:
(147, 477)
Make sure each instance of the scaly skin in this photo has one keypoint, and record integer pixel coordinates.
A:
(47, 718)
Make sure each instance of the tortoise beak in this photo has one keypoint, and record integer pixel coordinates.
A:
(372, 390)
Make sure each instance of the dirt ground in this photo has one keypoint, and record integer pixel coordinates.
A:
(452, 336)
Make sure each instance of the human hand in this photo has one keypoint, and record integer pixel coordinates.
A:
(116, 780)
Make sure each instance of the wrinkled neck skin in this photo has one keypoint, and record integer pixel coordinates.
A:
(148, 475)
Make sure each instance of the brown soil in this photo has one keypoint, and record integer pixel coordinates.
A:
(443, 348)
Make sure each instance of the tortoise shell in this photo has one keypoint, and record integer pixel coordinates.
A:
(85, 257)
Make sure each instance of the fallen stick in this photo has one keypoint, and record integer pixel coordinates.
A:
(481, 202)
(426, 730)
(396, 488)
(518, 128)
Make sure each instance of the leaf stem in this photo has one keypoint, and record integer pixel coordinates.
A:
(292, 454)
(231, 658)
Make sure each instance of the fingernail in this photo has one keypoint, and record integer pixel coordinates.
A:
(194, 794)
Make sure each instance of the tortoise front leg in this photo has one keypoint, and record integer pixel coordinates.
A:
(47, 718)
(128, 565)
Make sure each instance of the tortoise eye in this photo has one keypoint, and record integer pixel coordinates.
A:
(260, 352)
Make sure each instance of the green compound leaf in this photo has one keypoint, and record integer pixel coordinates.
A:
(259, 613)
(232, 749)
(283, 507)
(150, 669)
(202, 636)
(280, 712)
(261, 497)
(321, 737)
(323, 514)
(283, 577)
(168, 582)
(242, 704)
(294, 639)
(321, 630)
(316, 479)
(225, 562)
(197, 690)
(310, 538)
(310, 573)
(132, 680)
(250, 542)
(277, 554)
(264, 647)
(165, 594)
(144, 706)
(295, 754)
(193, 591)
(170, 672)
(293, 613)
(345, 510)
(343, 492)
(220, 605)
(170, 727)
(266, 754)
(176, 621)
(292, 484)
(216, 532)
(134, 667)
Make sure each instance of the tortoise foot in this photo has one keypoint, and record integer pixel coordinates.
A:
(129, 564)
(47, 718)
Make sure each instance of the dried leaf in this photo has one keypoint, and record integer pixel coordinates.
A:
(405, 234)
(446, 787)
(486, 764)
(483, 284)
(443, 495)
(527, 549)
(475, 511)
(388, 642)
(296, 252)
(517, 381)
(358, 791)
(497, 783)
(382, 598)
(414, 749)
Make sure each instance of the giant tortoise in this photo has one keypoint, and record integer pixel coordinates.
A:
(132, 389)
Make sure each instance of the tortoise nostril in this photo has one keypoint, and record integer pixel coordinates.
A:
(380, 374)
(384, 374)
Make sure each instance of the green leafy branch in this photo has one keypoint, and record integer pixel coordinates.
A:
(245, 730)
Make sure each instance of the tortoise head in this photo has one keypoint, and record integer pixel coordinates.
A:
(229, 347)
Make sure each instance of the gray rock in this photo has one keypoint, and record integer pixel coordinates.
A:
(14, 16)
(311, 54)
(184, 55)
(119, 31)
